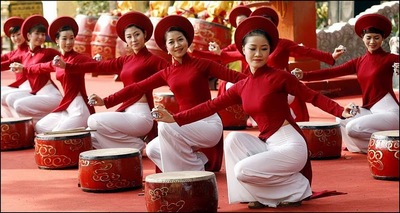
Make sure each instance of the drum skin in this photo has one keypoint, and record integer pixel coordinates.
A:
(84, 37)
(324, 139)
(111, 169)
(17, 133)
(186, 191)
(206, 32)
(383, 155)
(58, 151)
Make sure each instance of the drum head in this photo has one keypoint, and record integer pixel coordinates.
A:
(317, 124)
(386, 134)
(177, 177)
(164, 94)
(62, 136)
(109, 153)
(15, 120)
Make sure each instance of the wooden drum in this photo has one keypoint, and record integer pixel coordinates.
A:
(17, 133)
(324, 139)
(185, 191)
(111, 169)
(383, 154)
(166, 99)
(206, 32)
(84, 37)
(58, 151)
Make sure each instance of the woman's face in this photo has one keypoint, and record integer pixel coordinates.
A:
(17, 38)
(134, 38)
(36, 38)
(240, 19)
(256, 51)
(372, 41)
(66, 41)
(176, 44)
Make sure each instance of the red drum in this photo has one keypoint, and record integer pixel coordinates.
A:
(84, 37)
(152, 45)
(383, 154)
(104, 37)
(166, 99)
(58, 151)
(205, 32)
(111, 169)
(324, 139)
(233, 117)
(17, 133)
(186, 191)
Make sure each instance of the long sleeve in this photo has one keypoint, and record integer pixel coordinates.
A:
(347, 68)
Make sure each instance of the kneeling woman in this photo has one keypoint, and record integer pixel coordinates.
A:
(264, 170)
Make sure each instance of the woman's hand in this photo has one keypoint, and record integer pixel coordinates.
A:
(350, 110)
(338, 52)
(214, 47)
(298, 73)
(95, 100)
(159, 113)
(16, 67)
(58, 62)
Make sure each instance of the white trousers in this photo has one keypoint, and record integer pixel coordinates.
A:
(74, 116)
(267, 172)
(5, 91)
(357, 131)
(121, 129)
(25, 104)
(175, 148)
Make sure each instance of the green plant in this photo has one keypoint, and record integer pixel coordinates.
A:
(92, 8)
(322, 14)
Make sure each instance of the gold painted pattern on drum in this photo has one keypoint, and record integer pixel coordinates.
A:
(382, 147)
(16, 133)
(105, 164)
(48, 152)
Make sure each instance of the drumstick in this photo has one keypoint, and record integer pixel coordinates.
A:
(69, 131)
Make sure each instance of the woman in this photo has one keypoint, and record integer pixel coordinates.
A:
(44, 96)
(12, 29)
(380, 107)
(132, 121)
(286, 48)
(73, 111)
(175, 148)
(263, 170)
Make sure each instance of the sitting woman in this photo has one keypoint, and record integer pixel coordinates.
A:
(272, 169)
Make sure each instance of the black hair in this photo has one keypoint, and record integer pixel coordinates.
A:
(255, 33)
(373, 30)
(14, 29)
(38, 28)
(174, 28)
(133, 25)
(64, 28)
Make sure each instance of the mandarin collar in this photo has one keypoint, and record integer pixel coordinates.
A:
(185, 58)
(35, 49)
(378, 51)
(260, 71)
(143, 51)
(70, 53)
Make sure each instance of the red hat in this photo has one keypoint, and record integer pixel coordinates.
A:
(137, 19)
(254, 23)
(172, 21)
(268, 12)
(238, 11)
(12, 22)
(60, 22)
(377, 21)
(31, 21)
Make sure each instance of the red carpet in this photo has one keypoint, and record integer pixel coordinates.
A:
(347, 180)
